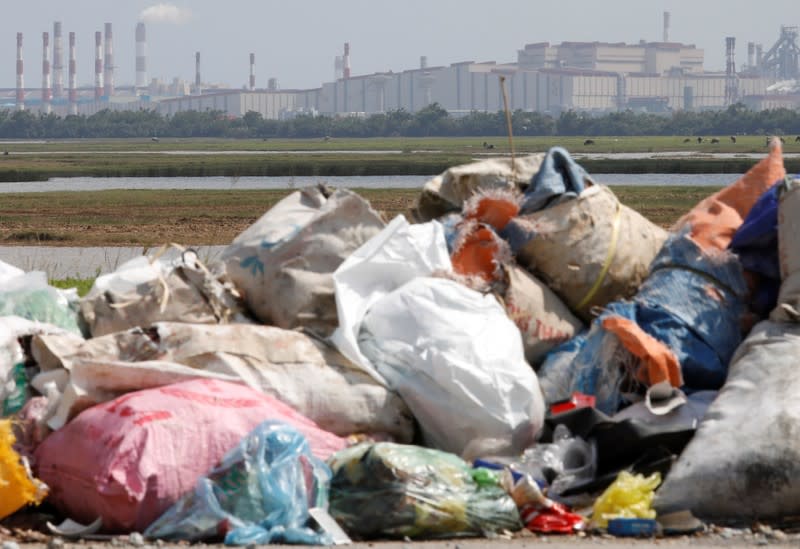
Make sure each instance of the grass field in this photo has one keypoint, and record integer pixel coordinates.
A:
(201, 217)
(39, 161)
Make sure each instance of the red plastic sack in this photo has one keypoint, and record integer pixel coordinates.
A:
(553, 518)
(130, 459)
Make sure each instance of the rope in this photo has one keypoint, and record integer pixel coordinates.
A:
(612, 250)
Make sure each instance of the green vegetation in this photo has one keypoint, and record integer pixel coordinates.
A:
(433, 120)
(82, 284)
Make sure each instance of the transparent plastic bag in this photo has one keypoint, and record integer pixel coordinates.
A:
(395, 490)
(566, 461)
(260, 493)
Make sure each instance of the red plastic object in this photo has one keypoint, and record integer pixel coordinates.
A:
(577, 400)
(555, 519)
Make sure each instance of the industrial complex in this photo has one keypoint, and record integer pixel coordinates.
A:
(660, 76)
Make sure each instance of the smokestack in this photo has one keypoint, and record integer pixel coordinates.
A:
(346, 61)
(665, 37)
(759, 55)
(98, 65)
(109, 62)
(73, 91)
(252, 71)
(58, 62)
(197, 72)
(20, 75)
(47, 92)
(423, 62)
(141, 56)
(751, 54)
(338, 67)
(272, 84)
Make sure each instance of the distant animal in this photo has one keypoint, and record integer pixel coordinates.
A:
(687, 140)
(797, 139)
(733, 139)
(154, 139)
(589, 142)
(487, 145)
(5, 153)
(714, 140)
(327, 138)
(699, 139)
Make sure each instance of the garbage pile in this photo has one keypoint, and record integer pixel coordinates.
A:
(522, 351)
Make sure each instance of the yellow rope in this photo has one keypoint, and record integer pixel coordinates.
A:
(612, 250)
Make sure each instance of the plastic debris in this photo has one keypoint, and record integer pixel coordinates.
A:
(630, 496)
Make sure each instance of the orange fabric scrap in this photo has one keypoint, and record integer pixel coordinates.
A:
(495, 210)
(478, 254)
(659, 363)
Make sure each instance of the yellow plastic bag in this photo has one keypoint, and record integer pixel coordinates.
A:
(628, 497)
(17, 487)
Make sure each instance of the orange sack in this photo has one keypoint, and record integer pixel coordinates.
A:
(715, 220)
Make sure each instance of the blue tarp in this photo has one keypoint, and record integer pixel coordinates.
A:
(691, 301)
(559, 177)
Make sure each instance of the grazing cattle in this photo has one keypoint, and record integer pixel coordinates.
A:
(733, 139)
(589, 142)
(487, 145)
(715, 140)
(154, 139)
(687, 140)
(797, 139)
(699, 139)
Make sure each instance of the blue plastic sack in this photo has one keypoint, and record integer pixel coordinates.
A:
(756, 244)
(260, 493)
(558, 177)
(691, 301)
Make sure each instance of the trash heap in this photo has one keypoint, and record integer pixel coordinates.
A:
(521, 351)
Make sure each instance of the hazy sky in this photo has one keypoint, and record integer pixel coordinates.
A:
(297, 40)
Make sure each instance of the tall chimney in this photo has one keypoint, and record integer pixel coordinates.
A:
(759, 55)
(751, 54)
(73, 69)
(252, 71)
(109, 62)
(346, 61)
(58, 62)
(423, 61)
(98, 65)
(47, 92)
(141, 55)
(20, 75)
(197, 78)
(338, 67)
(665, 37)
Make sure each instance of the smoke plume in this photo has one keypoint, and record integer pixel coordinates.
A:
(165, 13)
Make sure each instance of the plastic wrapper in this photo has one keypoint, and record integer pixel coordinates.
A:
(17, 486)
(395, 490)
(260, 493)
(30, 297)
(630, 496)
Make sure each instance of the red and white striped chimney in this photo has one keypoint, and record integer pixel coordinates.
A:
(47, 92)
(98, 65)
(346, 60)
(141, 55)
(58, 62)
(73, 69)
(252, 71)
(20, 75)
(109, 62)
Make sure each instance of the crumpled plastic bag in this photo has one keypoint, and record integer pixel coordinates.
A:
(260, 493)
(630, 496)
(29, 296)
(395, 490)
(17, 486)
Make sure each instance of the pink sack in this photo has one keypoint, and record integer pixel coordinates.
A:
(130, 459)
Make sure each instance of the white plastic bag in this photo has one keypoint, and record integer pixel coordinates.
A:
(457, 360)
(396, 255)
(283, 263)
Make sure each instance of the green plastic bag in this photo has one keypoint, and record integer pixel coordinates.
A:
(30, 297)
(396, 490)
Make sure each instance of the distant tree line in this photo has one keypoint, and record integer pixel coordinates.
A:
(433, 120)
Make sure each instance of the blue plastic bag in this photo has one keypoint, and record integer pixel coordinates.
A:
(558, 177)
(260, 493)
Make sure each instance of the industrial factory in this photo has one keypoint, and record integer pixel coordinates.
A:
(600, 77)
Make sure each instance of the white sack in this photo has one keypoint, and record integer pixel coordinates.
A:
(303, 372)
(743, 464)
(283, 263)
(457, 360)
(788, 306)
